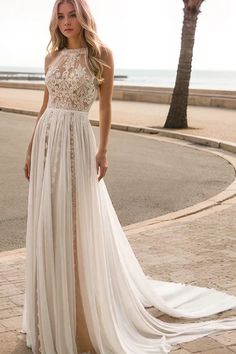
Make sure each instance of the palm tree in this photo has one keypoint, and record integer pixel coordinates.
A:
(177, 115)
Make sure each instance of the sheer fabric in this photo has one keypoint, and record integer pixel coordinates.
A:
(85, 290)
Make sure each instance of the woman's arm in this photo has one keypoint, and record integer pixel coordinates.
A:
(105, 100)
(44, 104)
(47, 61)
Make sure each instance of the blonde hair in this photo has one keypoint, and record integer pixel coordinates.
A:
(89, 34)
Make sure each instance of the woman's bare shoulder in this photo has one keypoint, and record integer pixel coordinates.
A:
(50, 57)
(106, 55)
(105, 51)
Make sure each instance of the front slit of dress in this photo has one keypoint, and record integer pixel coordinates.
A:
(83, 341)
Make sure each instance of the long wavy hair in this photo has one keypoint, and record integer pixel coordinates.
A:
(89, 34)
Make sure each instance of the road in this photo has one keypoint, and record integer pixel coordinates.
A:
(146, 178)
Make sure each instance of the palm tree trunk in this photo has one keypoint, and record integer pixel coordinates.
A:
(177, 115)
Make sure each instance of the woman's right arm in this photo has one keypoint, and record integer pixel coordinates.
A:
(42, 109)
(44, 104)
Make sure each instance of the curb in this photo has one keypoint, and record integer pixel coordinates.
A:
(221, 200)
(201, 140)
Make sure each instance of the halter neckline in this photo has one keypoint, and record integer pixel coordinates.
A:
(75, 49)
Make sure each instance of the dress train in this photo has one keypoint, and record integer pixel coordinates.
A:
(114, 290)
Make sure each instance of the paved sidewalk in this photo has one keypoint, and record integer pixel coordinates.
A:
(199, 249)
(215, 123)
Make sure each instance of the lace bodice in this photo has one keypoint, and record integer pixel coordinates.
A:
(70, 82)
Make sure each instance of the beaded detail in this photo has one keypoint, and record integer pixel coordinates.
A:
(70, 82)
(46, 142)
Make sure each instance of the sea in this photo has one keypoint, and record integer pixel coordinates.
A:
(200, 79)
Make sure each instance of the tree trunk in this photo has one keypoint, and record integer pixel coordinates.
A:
(177, 115)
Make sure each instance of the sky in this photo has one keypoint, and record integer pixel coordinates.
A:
(141, 34)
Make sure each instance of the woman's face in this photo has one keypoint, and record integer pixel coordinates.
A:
(67, 20)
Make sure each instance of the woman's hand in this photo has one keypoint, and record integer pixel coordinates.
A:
(101, 163)
(27, 165)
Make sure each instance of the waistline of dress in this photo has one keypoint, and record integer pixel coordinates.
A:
(67, 110)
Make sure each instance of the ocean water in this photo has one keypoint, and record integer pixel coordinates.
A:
(200, 79)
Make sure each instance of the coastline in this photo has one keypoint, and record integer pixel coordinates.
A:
(200, 79)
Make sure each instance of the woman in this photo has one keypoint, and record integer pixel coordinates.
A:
(85, 291)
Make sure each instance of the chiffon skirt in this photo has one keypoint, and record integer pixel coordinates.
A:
(84, 287)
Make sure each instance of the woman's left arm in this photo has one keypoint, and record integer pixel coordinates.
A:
(105, 102)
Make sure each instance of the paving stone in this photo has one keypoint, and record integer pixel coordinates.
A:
(232, 291)
(8, 290)
(225, 338)
(201, 344)
(12, 323)
(10, 343)
(3, 281)
(5, 303)
(176, 347)
(17, 299)
(3, 329)
(218, 351)
(10, 312)
(180, 351)
(167, 318)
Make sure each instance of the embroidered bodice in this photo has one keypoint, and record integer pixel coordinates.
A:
(70, 82)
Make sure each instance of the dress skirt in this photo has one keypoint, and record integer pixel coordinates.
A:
(85, 290)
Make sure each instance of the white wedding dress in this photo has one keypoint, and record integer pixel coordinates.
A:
(85, 290)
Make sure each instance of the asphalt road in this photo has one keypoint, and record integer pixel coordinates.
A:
(145, 178)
